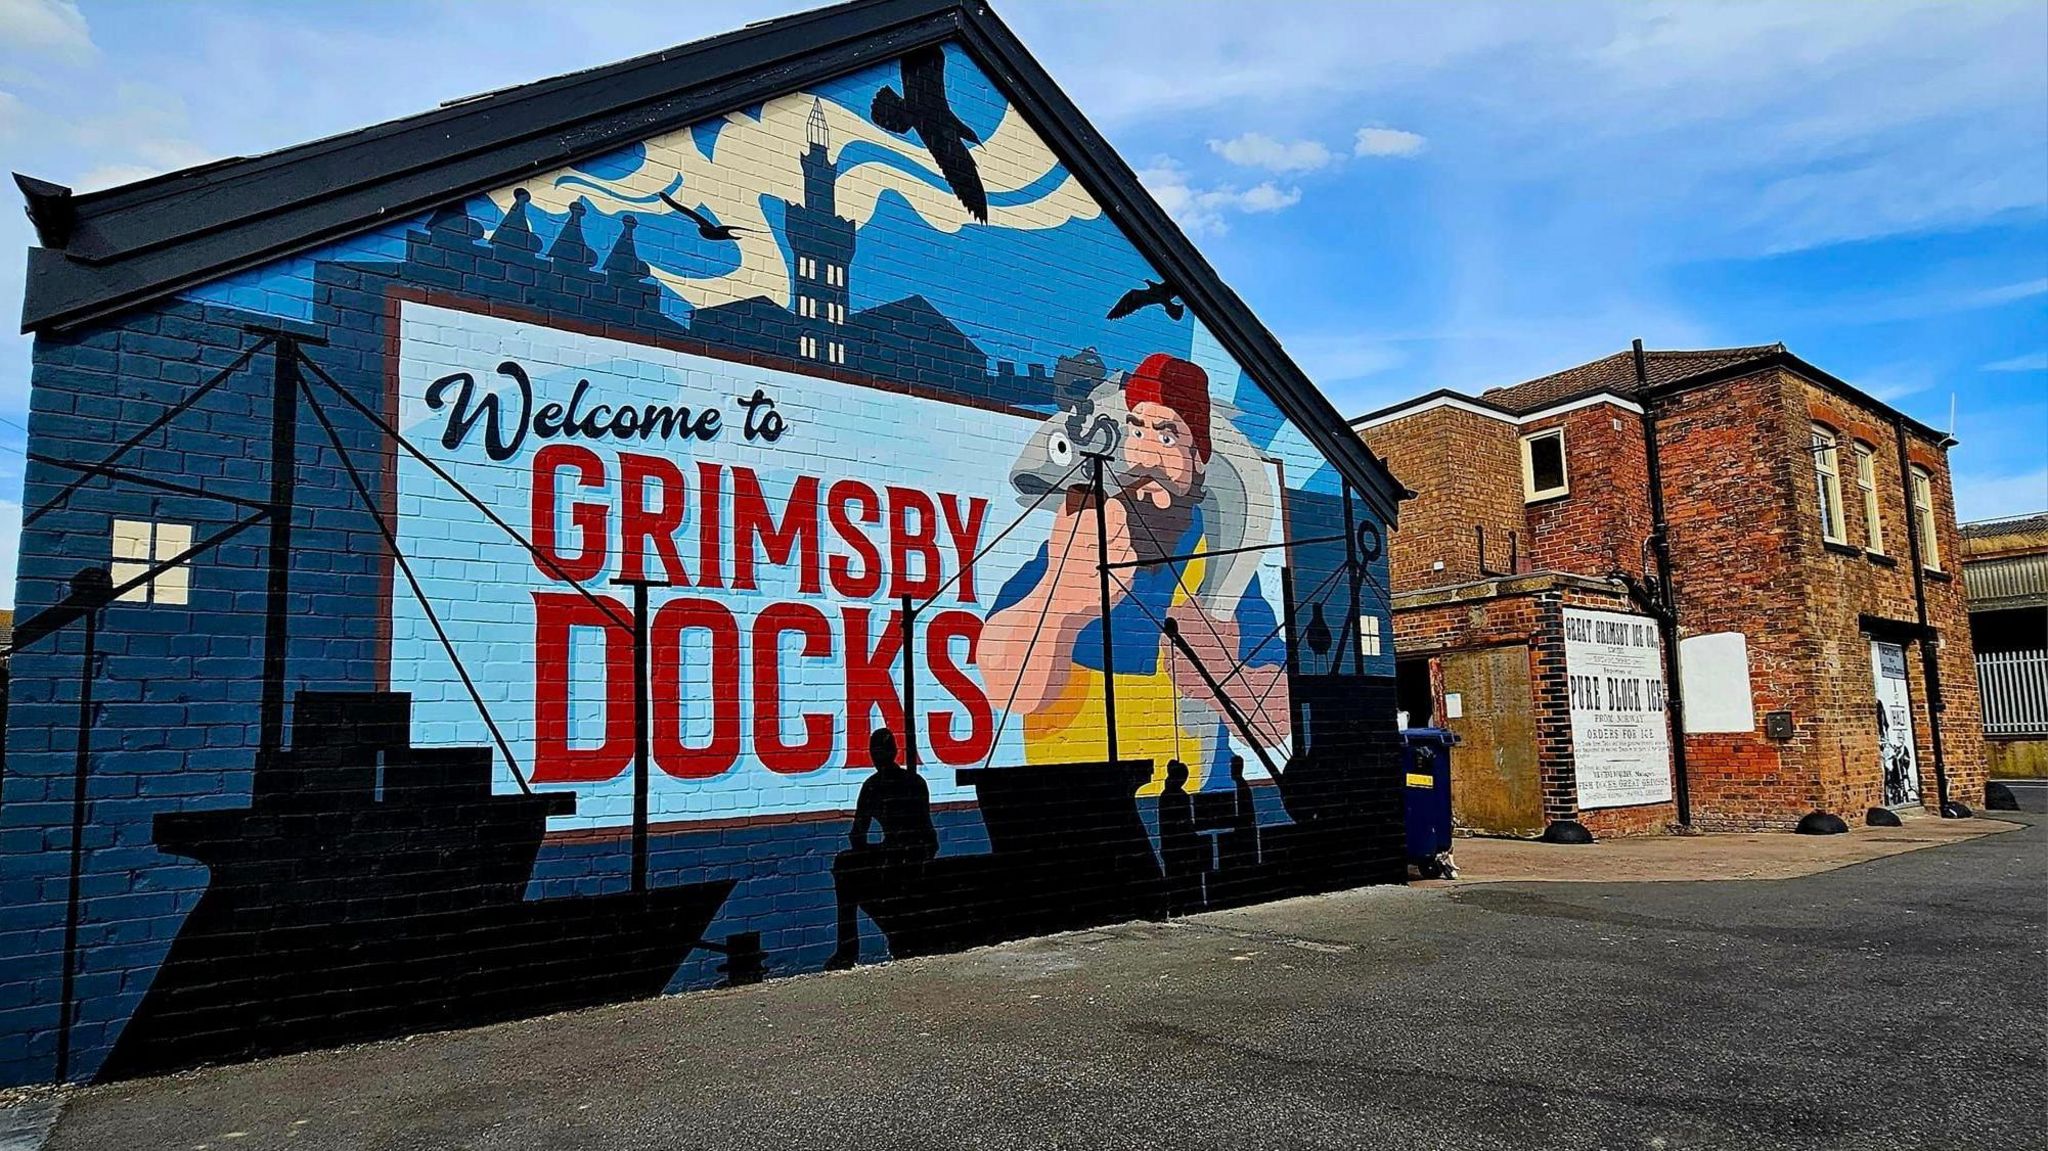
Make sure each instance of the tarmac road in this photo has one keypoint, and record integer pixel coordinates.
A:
(2032, 794)
(1897, 1003)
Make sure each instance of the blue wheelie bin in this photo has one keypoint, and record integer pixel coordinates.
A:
(1426, 791)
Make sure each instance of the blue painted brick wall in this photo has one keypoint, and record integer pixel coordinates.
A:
(974, 314)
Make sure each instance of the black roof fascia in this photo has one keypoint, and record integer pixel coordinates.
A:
(162, 235)
(1791, 363)
(1117, 189)
(148, 240)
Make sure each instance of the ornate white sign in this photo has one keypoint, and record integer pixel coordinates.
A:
(1620, 741)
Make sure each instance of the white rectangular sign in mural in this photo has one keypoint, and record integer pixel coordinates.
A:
(1620, 742)
(781, 517)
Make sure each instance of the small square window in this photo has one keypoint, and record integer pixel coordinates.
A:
(1543, 470)
(1369, 634)
(142, 544)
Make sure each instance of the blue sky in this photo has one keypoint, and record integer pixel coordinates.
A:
(1412, 197)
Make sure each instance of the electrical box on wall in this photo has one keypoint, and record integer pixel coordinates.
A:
(1778, 725)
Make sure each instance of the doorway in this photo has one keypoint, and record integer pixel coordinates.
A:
(1897, 761)
(1413, 695)
(1487, 702)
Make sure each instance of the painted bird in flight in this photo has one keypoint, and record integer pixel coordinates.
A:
(1160, 292)
(706, 227)
(922, 108)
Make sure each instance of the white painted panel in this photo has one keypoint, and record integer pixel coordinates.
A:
(1714, 671)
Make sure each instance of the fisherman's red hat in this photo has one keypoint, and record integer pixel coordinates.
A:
(1175, 383)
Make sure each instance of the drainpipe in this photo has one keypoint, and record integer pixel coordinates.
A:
(1930, 667)
(1667, 618)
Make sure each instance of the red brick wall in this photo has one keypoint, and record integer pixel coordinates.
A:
(1728, 472)
(1531, 613)
(1600, 525)
(1844, 585)
(1749, 556)
(1465, 469)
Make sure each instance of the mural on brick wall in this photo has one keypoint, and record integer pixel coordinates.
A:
(815, 523)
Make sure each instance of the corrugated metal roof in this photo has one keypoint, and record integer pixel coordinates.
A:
(2006, 580)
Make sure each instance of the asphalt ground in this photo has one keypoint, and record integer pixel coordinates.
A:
(2032, 794)
(1901, 1002)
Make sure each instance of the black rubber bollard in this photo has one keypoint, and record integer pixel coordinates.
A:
(1821, 823)
(1566, 831)
(1957, 809)
(1881, 817)
(1999, 797)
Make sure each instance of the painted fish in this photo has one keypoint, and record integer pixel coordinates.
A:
(1239, 508)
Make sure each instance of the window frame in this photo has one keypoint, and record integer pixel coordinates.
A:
(1530, 493)
(1825, 446)
(1370, 635)
(1921, 483)
(1866, 480)
(136, 546)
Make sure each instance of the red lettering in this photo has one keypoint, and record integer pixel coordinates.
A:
(904, 540)
(966, 537)
(710, 526)
(870, 682)
(797, 535)
(639, 523)
(938, 653)
(589, 519)
(769, 626)
(837, 500)
(666, 630)
(554, 761)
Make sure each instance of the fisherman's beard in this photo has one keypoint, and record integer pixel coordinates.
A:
(1155, 530)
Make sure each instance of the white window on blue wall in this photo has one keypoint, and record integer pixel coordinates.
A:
(1369, 634)
(140, 545)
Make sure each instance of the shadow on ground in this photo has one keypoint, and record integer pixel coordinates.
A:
(1894, 1003)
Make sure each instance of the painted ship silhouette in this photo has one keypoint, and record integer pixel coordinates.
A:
(372, 889)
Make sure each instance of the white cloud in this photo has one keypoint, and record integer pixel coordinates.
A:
(1203, 211)
(2008, 293)
(1995, 497)
(2032, 362)
(12, 114)
(1335, 358)
(145, 133)
(1387, 142)
(114, 175)
(45, 27)
(1258, 150)
(1693, 123)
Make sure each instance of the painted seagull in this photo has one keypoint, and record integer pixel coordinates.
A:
(1160, 292)
(922, 108)
(706, 227)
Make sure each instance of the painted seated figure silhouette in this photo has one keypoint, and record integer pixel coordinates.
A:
(868, 873)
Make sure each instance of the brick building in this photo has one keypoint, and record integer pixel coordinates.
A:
(1806, 574)
(469, 563)
(2005, 567)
